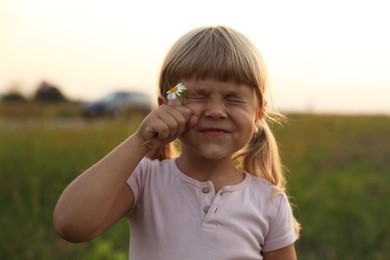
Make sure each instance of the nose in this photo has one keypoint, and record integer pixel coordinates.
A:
(215, 109)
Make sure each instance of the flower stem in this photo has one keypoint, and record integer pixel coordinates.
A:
(147, 141)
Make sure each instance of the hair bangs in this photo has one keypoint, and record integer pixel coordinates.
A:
(217, 53)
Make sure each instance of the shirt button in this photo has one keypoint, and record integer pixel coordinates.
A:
(206, 209)
(205, 190)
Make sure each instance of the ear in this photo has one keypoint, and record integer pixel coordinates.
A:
(261, 111)
(259, 116)
(162, 100)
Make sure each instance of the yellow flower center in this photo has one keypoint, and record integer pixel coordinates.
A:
(174, 89)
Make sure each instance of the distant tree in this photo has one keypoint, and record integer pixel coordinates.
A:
(48, 93)
(13, 96)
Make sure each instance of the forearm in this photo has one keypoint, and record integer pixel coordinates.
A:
(87, 202)
(99, 197)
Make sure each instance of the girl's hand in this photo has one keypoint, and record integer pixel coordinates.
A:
(164, 124)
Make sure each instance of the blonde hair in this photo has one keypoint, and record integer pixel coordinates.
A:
(224, 54)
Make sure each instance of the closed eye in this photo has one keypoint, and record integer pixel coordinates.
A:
(235, 99)
(195, 97)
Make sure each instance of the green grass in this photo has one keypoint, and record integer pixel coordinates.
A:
(38, 159)
(338, 173)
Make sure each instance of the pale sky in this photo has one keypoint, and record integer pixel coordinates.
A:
(321, 56)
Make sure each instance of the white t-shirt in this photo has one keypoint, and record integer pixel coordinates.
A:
(177, 217)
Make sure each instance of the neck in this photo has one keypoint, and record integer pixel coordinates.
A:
(221, 172)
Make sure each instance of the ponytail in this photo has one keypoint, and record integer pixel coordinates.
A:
(261, 157)
(164, 152)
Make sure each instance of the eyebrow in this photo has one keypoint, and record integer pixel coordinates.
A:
(197, 90)
(232, 93)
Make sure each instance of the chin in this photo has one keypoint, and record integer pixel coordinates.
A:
(208, 151)
(215, 154)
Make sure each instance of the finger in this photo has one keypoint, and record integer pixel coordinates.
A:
(191, 118)
(185, 111)
(171, 122)
(155, 124)
(174, 119)
(181, 121)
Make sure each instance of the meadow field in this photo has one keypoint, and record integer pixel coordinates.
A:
(338, 173)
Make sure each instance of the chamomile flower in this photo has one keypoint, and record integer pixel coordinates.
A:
(177, 92)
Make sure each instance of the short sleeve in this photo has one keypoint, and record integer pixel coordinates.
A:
(281, 232)
(136, 180)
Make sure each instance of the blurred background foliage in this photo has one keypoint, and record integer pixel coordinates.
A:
(337, 169)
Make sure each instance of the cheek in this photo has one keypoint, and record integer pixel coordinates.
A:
(248, 121)
(196, 108)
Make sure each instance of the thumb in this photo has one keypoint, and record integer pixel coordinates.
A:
(193, 121)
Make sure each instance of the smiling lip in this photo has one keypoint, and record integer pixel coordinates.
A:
(214, 131)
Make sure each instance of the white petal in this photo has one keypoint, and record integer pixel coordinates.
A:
(171, 96)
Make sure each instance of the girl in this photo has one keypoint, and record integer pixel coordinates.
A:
(223, 197)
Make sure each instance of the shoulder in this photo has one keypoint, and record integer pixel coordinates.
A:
(150, 176)
(266, 195)
(148, 165)
(154, 162)
(260, 183)
(150, 171)
(276, 209)
(262, 187)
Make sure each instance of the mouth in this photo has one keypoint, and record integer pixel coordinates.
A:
(213, 131)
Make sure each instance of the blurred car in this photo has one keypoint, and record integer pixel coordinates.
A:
(119, 104)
